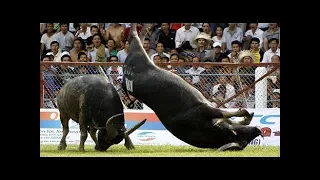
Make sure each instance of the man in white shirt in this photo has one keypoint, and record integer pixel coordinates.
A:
(186, 33)
(254, 31)
(230, 34)
(195, 70)
(274, 50)
(65, 38)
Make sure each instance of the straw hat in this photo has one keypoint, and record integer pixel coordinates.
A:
(246, 53)
(203, 36)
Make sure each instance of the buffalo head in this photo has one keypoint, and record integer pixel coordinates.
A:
(115, 132)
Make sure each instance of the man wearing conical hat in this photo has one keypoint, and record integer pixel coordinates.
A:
(202, 51)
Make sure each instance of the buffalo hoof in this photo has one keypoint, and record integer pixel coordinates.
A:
(81, 149)
(230, 147)
(62, 147)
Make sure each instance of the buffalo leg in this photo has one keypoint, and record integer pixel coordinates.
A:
(83, 131)
(65, 130)
(93, 135)
(240, 113)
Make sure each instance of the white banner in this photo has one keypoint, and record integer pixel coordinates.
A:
(267, 119)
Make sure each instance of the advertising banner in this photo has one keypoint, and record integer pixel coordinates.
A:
(153, 132)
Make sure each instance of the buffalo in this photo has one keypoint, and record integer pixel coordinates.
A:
(93, 102)
(181, 108)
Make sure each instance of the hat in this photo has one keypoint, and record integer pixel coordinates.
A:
(215, 44)
(65, 53)
(246, 53)
(203, 36)
(49, 53)
(276, 91)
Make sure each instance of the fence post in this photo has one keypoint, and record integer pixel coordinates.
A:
(41, 87)
(261, 88)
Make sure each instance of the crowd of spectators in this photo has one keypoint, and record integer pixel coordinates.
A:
(171, 42)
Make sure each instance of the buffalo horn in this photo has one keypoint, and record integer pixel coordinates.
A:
(129, 131)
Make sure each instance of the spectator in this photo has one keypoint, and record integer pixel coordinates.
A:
(218, 35)
(146, 47)
(167, 37)
(271, 33)
(207, 30)
(276, 98)
(255, 49)
(122, 54)
(231, 33)
(83, 32)
(64, 37)
(55, 51)
(186, 33)
(153, 34)
(223, 91)
(115, 32)
(78, 46)
(254, 31)
(203, 40)
(111, 47)
(236, 48)
(47, 39)
(99, 53)
(160, 51)
(217, 52)
(274, 50)
(195, 70)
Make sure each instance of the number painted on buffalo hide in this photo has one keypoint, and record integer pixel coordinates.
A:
(129, 85)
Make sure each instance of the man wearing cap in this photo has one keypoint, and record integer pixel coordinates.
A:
(217, 52)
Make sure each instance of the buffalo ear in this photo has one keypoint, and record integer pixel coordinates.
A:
(111, 131)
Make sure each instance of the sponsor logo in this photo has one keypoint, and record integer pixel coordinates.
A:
(266, 132)
(146, 136)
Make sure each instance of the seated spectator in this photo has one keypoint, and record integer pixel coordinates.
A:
(147, 48)
(274, 50)
(256, 50)
(78, 46)
(236, 48)
(223, 91)
(253, 32)
(99, 53)
(202, 51)
(272, 33)
(217, 52)
(195, 70)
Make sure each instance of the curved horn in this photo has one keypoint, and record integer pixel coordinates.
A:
(111, 131)
(128, 132)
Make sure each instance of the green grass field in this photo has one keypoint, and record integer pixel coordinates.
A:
(158, 151)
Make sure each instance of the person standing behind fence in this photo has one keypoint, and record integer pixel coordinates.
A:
(195, 70)
(225, 89)
(99, 53)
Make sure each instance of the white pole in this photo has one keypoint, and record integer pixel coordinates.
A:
(261, 88)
